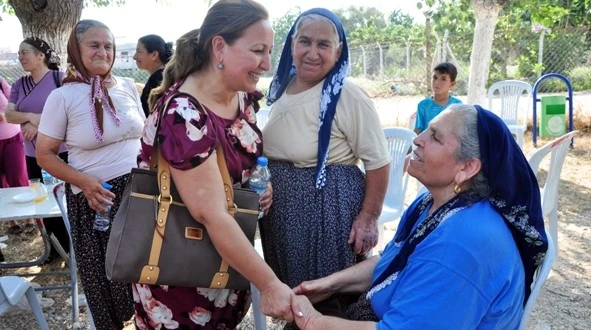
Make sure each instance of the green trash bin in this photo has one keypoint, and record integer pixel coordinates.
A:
(553, 118)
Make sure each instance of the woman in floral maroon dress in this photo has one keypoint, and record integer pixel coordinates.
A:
(216, 69)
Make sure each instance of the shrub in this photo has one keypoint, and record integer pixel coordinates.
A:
(580, 78)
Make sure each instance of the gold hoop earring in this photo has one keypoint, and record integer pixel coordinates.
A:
(457, 189)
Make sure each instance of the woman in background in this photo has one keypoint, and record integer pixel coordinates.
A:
(99, 117)
(26, 102)
(151, 54)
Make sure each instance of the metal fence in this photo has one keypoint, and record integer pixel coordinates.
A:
(404, 67)
(523, 55)
(13, 71)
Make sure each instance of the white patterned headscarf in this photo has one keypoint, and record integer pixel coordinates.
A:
(331, 90)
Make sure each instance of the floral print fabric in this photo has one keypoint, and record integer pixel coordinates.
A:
(189, 133)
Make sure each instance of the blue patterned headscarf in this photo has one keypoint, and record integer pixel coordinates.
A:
(331, 90)
(514, 193)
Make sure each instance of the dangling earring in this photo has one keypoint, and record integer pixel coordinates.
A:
(220, 66)
(457, 189)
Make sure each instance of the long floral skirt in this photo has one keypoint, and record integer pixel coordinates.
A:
(167, 307)
(110, 303)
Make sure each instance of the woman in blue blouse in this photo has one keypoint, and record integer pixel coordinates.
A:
(465, 253)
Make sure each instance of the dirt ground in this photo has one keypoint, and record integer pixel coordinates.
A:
(564, 303)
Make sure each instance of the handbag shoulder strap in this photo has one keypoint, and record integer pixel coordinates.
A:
(160, 110)
(158, 162)
(228, 186)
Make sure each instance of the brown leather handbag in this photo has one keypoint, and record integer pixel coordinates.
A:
(155, 240)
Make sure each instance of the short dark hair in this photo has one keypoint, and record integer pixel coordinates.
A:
(448, 68)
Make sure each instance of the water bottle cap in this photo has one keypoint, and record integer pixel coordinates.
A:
(262, 160)
(107, 186)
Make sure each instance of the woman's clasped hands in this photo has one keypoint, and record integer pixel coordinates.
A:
(281, 302)
(276, 298)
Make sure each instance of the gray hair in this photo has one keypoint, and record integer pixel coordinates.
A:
(86, 24)
(315, 17)
(469, 146)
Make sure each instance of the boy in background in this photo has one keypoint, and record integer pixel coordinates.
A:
(444, 78)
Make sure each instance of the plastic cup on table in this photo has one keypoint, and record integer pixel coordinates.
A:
(38, 189)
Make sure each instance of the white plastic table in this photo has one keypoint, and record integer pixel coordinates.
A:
(11, 210)
(48, 208)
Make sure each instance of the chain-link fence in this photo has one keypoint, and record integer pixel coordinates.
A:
(403, 67)
(523, 54)
(13, 71)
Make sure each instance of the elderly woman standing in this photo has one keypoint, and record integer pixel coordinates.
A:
(27, 98)
(108, 107)
(215, 69)
(151, 54)
(325, 210)
(438, 272)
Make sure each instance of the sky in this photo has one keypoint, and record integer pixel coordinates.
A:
(172, 18)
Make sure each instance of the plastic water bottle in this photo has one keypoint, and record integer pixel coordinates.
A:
(259, 178)
(48, 180)
(102, 220)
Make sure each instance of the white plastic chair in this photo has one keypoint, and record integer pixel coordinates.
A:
(540, 277)
(59, 192)
(262, 117)
(399, 142)
(510, 93)
(549, 192)
(13, 289)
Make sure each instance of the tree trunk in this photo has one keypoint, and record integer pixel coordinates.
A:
(487, 12)
(50, 20)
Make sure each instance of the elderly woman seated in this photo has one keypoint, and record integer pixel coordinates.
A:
(465, 253)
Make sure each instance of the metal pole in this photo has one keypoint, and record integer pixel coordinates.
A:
(541, 52)
(381, 59)
(428, 51)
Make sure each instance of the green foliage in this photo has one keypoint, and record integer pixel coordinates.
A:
(527, 65)
(281, 26)
(5, 8)
(397, 18)
(357, 18)
(580, 78)
(453, 15)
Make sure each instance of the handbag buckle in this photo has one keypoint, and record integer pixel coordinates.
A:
(160, 200)
(233, 210)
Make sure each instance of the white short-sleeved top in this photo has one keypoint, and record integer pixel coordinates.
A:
(291, 134)
(66, 116)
